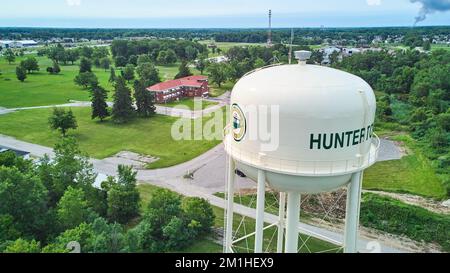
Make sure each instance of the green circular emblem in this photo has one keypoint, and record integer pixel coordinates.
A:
(239, 122)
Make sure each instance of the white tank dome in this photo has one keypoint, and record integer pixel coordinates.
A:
(325, 126)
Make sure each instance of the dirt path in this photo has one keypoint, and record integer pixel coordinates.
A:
(423, 202)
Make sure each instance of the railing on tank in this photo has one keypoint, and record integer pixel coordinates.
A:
(304, 167)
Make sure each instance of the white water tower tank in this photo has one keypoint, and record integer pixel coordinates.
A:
(326, 119)
(301, 129)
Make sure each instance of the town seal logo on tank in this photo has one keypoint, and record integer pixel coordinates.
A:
(239, 123)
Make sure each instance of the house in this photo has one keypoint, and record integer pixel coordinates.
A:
(25, 155)
(188, 87)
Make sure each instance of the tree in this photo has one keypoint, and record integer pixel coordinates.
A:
(112, 75)
(144, 99)
(217, 73)
(56, 68)
(133, 60)
(24, 198)
(99, 105)
(86, 79)
(57, 54)
(183, 71)
(72, 168)
(123, 109)
(62, 120)
(191, 53)
(72, 209)
(162, 57)
(123, 196)
(201, 64)
(86, 52)
(148, 73)
(30, 64)
(85, 65)
(143, 59)
(105, 63)
(199, 210)
(72, 55)
(128, 72)
(21, 73)
(120, 61)
(22, 246)
(10, 56)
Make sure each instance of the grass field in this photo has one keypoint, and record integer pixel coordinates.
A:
(412, 174)
(440, 46)
(216, 91)
(189, 103)
(145, 136)
(41, 88)
(208, 246)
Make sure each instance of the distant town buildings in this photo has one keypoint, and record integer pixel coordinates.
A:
(17, 44)
(188, 87)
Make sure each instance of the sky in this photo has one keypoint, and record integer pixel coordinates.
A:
(215, 14)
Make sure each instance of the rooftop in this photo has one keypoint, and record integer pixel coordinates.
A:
(194, 81)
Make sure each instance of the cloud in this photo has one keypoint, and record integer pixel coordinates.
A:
(430, 6)
(373, 2)
(73, 3)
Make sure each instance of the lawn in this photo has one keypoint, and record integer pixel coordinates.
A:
(189, 103)
(216, 91)
(412, 174)
(440, 46)
(145, 136)
(41, 88)
(208, 246)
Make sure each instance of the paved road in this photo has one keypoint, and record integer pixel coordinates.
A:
(167, 111)
(208, 178)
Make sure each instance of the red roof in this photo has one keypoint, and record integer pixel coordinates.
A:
(195, 81)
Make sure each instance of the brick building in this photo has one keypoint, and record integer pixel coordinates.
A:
(188, 87)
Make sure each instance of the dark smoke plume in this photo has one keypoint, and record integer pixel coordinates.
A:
(430, 6)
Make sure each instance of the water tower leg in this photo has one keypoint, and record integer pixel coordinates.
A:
(292, 221)
(259, 230)
(352, 214)
(281, 222)
(230, 205)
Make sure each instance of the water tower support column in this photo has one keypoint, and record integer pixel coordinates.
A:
(293, 215)
(281, 222)
(352, 214)
(261, 198)
(230, 205)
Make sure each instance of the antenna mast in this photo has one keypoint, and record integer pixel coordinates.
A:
(269, 41)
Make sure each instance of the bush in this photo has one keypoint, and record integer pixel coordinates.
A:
(395, 217)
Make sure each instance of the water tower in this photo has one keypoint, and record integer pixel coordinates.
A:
(325, 140)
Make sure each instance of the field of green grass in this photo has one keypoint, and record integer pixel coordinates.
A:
(440, 46)
(41, 88)
(144, 136)
(189, 103)
(412, 174)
